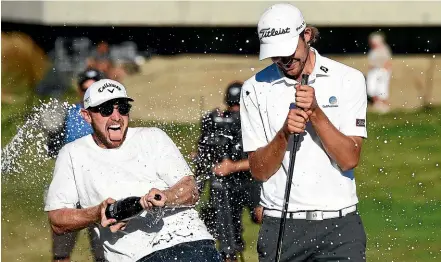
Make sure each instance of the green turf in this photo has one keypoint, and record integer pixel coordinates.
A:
(397, 183)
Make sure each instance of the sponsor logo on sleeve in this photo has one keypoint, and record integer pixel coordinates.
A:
(360, 122)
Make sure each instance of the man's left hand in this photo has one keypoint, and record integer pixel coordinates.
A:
(223, 168)
(305, 98)
(106, 222)
(148, 201)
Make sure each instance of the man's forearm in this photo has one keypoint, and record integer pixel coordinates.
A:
(341, 148)
(183, 193)
(241, 165)
(265, 161)
(71, 219)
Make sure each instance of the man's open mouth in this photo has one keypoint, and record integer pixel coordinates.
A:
(115, 132)
(115, 127)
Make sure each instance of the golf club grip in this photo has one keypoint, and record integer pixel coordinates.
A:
(158, 197)
(304, 81)
(305, 78)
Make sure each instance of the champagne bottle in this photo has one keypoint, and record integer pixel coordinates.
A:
(126, 208)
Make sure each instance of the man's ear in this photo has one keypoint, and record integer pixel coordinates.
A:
(307, 35)
(86, 115)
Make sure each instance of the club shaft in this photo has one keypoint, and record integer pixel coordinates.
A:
(292, 159)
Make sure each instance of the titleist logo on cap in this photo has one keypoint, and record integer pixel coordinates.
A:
(268, 32)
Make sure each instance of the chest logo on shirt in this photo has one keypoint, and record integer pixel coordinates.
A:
(333, 102)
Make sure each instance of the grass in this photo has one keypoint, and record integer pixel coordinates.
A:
(397, 178)
(399, 202)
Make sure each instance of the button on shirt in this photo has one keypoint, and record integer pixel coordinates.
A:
(318, 183)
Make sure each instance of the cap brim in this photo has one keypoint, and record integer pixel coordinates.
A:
(97, 103)
(286, 48)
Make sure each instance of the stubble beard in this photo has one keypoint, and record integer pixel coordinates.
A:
(102, 141)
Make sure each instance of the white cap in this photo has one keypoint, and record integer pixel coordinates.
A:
(279, 29)
(102, 91)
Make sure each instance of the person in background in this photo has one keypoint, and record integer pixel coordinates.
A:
(72, 125)
(221, 160)
(75, 127)
(101, 60)
(380, 69)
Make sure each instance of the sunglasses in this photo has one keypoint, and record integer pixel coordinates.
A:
(106, 109)
(285, 61)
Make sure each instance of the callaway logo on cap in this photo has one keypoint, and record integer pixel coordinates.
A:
(103, 91)
(279, 29)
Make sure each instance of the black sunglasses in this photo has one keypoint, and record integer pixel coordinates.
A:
(106, 109)
(285, 61)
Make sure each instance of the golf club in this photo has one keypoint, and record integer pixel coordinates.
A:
(292, 159)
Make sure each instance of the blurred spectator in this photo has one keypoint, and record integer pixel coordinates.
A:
(128, 57)
(68, 59)
(380, 68)
(74, 127)
(221, 160)
(73, 55)
(99, 58)
(102, 60)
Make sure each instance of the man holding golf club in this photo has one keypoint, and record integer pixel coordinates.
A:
(312, 108)
(117, 162)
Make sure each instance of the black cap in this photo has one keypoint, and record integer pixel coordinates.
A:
(232, 96)
(90, 74)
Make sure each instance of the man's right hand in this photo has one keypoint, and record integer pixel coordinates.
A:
(149, 201)
(295, 122)
(105, 222)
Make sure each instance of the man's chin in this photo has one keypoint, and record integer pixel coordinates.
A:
(292, 73)
(114, 143)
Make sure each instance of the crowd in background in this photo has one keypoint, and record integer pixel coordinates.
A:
(72, 56)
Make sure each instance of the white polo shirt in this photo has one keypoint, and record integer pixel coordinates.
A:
(89, 174)
(318, 183)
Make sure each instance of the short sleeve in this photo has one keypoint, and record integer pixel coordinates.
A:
(253, 132)
(171, 165)
(62, 191)
(353, 114)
